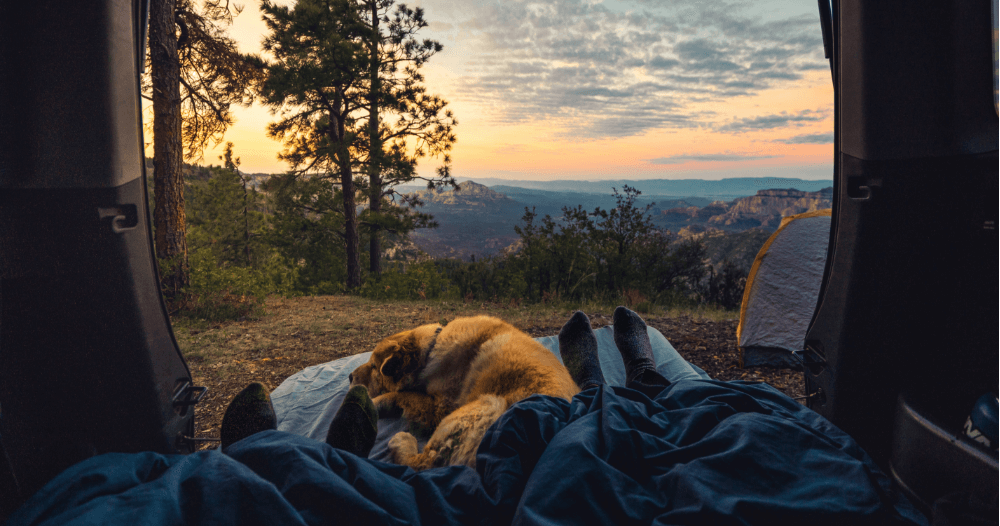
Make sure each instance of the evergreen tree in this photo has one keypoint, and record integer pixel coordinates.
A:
(226, 215)
(557, 257)
(671, 268)
(603, 253)
(196, 75)
(315, 81)
(399, 109)
(725, 286)
(351, 97)
(307, 230)
(168, 213)
(621, 229)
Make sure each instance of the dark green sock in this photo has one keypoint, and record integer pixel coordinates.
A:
(249, 412)
(355, 425)
(633, 344)
(578, 348)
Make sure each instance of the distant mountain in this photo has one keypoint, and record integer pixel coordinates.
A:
(477, 220)
(763, 210)
(739, 247)
(722, 189)
(469, 196)
(474, 220)
(552, 202)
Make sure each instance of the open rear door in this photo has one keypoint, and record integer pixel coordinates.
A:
(904, 338)
(88, 362)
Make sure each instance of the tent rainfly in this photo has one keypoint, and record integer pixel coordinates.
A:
(782, 290)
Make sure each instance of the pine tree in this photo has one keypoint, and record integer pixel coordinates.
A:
(196, 74)
(399, 110)
(168, 182)
(225, 215)
(622, 228)
(307, 230)
(351, 97)
(315, 81)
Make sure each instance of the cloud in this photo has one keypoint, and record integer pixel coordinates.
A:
(626, 68)
(770, 122)
(439, 26)
(656, 62)
(710, 157)
(810, 138)
(697, 49)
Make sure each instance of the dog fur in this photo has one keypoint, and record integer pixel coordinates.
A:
(477, 367)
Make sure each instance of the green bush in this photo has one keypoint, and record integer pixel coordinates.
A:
(489, 279)
(417, 281)
(724, 287)
(218, 292)
(644, 307)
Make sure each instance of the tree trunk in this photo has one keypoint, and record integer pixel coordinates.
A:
(351, 238)
(246, 221)
(375, 152)
(350, 226)
(168, 178)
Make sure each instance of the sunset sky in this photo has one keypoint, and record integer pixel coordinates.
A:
(612, 89)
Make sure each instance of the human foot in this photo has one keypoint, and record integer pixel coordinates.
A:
(578, 348)
(632, 341)
(355, 425)
(249, 412)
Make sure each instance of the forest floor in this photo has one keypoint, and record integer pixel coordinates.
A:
(295, 333)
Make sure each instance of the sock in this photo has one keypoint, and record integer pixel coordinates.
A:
(578, 347)
(249, 412)
(355, 425)
(633, 343)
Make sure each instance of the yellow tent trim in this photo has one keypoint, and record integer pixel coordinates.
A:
(760, 257)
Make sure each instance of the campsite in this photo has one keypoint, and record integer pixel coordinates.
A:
(183, 342)
(299, 332)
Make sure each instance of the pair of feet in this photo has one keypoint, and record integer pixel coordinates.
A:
(578, 347)
(353, 428)
(355, 425)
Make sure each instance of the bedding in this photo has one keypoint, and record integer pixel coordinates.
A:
(697, 452)
(307, 401)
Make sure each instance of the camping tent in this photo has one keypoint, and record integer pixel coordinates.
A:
(782, 289)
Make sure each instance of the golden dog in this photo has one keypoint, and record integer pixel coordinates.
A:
(457, 380)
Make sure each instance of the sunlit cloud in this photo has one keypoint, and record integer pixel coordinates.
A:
(770, 122)
(711, 157)
(627, 70)
(605, 88)
(809, 138)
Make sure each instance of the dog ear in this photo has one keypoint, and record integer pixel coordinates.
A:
(397, 365)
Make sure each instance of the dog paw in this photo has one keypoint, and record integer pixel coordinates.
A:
(402, 447)
(420, 430)
(387, 407)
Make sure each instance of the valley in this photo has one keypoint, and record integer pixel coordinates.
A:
(476, 220)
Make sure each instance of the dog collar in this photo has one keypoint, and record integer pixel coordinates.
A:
(430, 348)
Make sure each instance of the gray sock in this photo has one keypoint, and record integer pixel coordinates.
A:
(633, 343)
(249, 412)
(355, 426)
(578, 348)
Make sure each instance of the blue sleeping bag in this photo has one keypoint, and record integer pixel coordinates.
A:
(698, 452)
(307, 401)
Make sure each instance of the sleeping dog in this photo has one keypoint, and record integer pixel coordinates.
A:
(457, 380)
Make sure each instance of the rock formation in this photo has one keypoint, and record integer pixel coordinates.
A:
(762, 210)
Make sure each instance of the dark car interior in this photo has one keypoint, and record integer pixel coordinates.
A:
(902, 344)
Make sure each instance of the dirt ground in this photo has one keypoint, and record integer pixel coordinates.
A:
(299, 332)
